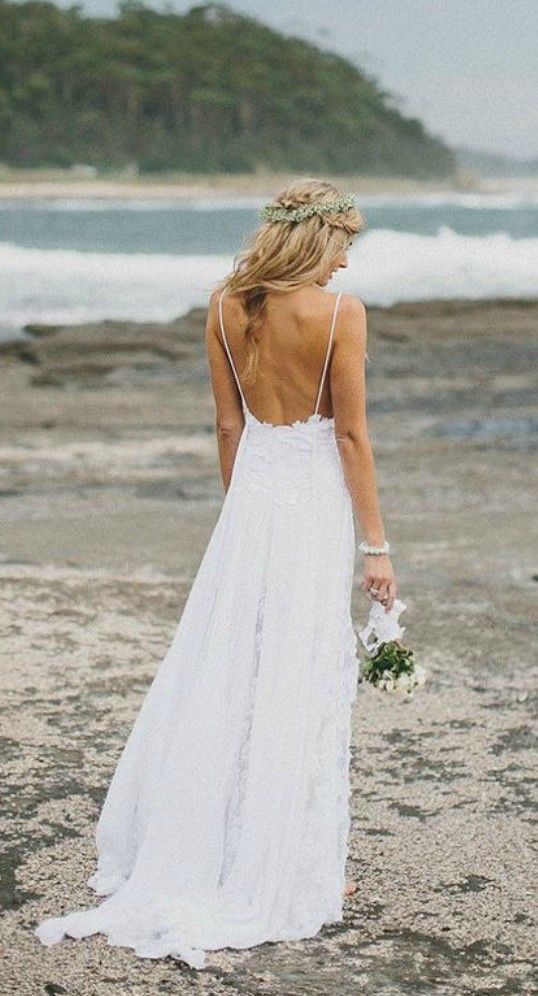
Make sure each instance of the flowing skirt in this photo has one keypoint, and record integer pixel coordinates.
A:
(226, 820)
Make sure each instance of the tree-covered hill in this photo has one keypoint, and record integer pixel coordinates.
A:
(208, 91)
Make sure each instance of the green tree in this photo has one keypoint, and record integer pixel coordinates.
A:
(207, 91)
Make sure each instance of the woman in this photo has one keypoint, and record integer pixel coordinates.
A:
(226, 820)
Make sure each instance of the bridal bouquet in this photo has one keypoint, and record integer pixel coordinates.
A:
(390, 665)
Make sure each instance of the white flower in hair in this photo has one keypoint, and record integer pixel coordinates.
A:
(277, 212)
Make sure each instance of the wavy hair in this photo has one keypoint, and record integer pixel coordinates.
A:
(284, 255)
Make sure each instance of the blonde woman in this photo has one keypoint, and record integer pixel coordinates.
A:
(226, 820)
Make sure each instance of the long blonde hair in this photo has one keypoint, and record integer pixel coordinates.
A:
(284, 255)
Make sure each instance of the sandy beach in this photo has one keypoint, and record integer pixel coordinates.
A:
(79, 183)
(110, 489)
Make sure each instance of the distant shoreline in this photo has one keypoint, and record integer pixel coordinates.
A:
(61, 184)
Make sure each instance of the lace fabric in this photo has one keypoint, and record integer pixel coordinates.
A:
(226, 820)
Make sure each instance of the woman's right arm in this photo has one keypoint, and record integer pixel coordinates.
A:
(348, 395)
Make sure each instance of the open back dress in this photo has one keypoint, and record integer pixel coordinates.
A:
(226, 820)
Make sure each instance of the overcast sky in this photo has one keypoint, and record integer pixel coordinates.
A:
(467, 68)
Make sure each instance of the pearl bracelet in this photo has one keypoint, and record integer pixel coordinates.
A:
(366, 548)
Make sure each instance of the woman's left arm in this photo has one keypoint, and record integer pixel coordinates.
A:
(229, 418)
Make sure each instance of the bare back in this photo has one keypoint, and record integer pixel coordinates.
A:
(294, 354)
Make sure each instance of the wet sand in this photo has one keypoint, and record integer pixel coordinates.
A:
(109, 492)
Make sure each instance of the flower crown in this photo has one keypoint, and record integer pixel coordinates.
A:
(275, 212)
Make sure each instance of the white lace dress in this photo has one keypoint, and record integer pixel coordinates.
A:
(226, 821)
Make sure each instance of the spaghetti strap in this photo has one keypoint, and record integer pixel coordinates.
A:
(221, 320)
(337, 302)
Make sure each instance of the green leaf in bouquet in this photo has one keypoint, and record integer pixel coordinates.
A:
(391, 661)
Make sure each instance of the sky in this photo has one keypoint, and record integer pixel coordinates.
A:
(467, 68)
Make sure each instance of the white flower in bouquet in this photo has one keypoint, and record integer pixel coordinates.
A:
(420, 675)
(391, 665)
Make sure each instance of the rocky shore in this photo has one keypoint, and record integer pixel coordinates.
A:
(109, 490)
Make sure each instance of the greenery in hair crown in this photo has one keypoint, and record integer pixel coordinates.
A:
(276, 212)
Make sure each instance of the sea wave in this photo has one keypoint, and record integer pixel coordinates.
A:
(158, 202)
(470, 200)
(67, 286)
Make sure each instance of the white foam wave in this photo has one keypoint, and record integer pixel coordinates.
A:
(129, 203)
(493, 201)
(64, 286)
(470, 200)
(399, 266)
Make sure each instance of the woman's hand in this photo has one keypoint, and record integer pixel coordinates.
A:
(379, 580)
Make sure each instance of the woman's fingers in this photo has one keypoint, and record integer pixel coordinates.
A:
(384, 589)
(391, 596)
(379, 581)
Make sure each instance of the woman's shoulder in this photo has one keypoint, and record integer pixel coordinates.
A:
(351, 327)
(350, 304)
(310, 300)
(231, 299)
(348, 309)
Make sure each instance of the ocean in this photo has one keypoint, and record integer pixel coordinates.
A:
(70, 261)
